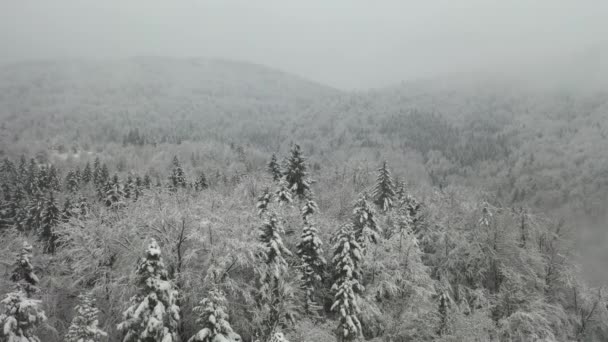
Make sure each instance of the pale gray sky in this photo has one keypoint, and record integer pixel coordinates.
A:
(343, 43)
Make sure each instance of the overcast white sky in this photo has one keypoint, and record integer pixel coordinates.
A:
(343, 43)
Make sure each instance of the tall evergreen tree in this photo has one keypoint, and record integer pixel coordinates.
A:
(104, 175)
(310, 251)
(22, 314)
(84, 326)
(365, 227)
(129, 188)
(154, 313)
(347, 258)
(201, 182)
(273, 168)
(50, 220)
(87, 174)
(52, 179)
(114, 193)
(274, 293)
(71, 182)
(22, 170)
(295, 173)
(384, 191)
(147, 181)
(31, 181)
(213, 317)
(139, 184)
(177, 177)
(263, 202)
(283, 193)
(97, 171)
(33, 214)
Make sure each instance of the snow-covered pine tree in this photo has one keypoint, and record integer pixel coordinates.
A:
(31, 180)
(147, 181)
(273, 168)
(52, 179)
(23, 271)
(213, 317)
(129, 188)
(104, 175)
(96, 171)
(84, 326)
(178, 177)
(310, 251)
(283, 193)
(364, 223)
(346, 260)
(384, 191)
(274, 294)
(32, 215)
(50, 219)
(78, 175)
(154, 314)
(22, 314)
(295, 173)
(87, 175)
(201, 182)
(263, 202)
(114, 194)
(71, 182)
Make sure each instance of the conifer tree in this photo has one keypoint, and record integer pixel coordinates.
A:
(178, 177)
(86, 174)
(104, 175)
(384, 191)
(295, 173)
(283, 193)
(274, 295)
(129, 188)
(310, 251)
(52, 179)
(22, 169)
(31, 183)
(71, 181)
(97, 172)
(263, 202)
(213, 317)
(78, 175)
(201, 182)
(50, 220)
(82, 207)
(32, 215)
(22, 313)
(114, 193)
(154, 314)
(273, 168)
(346, 260)
(84, 326)
(67, 211)
(364, 223)
(147, 181)
(139, 183)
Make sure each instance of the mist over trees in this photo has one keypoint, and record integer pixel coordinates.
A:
(194, 200)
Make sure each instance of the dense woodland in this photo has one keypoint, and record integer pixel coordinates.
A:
(201, 200)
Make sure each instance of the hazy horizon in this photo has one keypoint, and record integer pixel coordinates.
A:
(344, 44)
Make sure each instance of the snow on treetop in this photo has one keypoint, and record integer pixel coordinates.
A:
(153, 249)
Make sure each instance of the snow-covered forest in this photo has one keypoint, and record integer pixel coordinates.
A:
(303, 171)
(202, 200)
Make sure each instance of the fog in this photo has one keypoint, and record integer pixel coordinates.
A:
(344, 43)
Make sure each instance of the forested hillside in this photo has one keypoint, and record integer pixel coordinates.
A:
(158, 199)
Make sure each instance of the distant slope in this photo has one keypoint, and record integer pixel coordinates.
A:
(96, 102)
(541, 143)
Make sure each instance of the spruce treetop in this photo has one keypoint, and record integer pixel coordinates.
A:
(384, 191)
